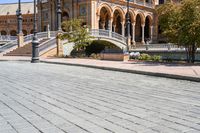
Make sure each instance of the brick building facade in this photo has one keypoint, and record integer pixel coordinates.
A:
(8, 18)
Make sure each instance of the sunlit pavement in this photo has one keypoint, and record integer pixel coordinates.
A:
(49, 98)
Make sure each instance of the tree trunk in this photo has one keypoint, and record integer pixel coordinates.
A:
(193, 52)
(190, 51)
(187, 53)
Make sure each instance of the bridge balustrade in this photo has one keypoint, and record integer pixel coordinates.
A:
(7, 38)
(107, 33)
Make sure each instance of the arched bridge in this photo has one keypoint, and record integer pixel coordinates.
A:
(98, 34)
(113, 37)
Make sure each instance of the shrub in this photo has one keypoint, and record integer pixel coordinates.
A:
(144, 57)
(147, 57)
(95, 56)
(155, 58)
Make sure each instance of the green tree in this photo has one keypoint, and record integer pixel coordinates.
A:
(75, 32)
(180, 23)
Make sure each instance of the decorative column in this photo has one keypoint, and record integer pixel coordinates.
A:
(19, 27)
(114, 27)
(151, 30)
(143, 25)
(35, 42)
(133, 33)
(123, 29)
(128, 27)
(103, 25)
(94, 17)
(110, 26)
(98, 18)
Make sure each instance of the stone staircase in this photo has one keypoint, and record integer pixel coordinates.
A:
(25, 50)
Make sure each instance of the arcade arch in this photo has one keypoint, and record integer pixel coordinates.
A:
(3, 33)
(114, 19)
(13, 33)
(104, 19)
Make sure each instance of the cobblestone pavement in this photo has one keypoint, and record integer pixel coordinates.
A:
(45, 98)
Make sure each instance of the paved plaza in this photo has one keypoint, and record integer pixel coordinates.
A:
(49, 98)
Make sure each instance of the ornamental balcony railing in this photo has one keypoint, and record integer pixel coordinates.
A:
(148, 4)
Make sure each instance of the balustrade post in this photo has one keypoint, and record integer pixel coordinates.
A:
(59, 45)
(48, 32)
(20, 40)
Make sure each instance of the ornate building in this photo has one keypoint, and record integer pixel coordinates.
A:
(8, 18)
(104, 14)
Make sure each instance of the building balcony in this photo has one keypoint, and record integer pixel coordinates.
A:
(145, 3)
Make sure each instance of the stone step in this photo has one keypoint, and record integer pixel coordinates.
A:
(25, 50)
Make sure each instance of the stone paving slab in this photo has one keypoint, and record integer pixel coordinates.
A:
(49, 98)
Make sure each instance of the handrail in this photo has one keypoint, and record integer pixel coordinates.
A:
(7, 38)
(52, 42)
(8, 45)
(107, 33)
(27, 39)
(46, 45)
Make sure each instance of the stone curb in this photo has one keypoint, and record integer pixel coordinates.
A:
(165, 75)
(1, 60)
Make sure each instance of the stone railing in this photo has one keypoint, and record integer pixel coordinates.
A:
(108, 34)
(8, 45)
(143, 3)
(7, 38)
(28, 39)
(47, 45)
(167, 46)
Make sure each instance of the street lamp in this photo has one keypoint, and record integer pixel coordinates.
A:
(35, 42)
(59, 15)
(19, 18)
(7, 26)
(128, 26)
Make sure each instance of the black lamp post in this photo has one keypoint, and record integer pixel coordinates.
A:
(19, 18)
(128, 25)
(59, 12)
(35, 42)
